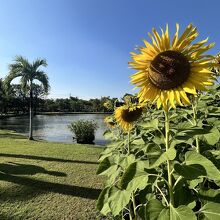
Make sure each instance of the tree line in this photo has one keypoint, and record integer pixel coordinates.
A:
(16, 102)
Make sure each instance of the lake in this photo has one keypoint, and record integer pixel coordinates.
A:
(54, 127)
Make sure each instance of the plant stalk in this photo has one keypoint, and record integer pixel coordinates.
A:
(134, 206)
(194, 107)
(169, 162)
(128, 149)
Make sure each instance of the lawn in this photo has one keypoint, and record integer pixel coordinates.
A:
(41, 180)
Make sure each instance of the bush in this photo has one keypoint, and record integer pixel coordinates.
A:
(84, 131)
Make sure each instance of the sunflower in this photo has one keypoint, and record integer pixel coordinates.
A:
(109, 105)
(169, 71)
(110, 122)
(217, 69)
(126, 116)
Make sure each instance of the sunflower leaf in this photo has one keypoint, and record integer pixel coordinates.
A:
(180, 213)
(211, 211)
(170, 154)
(195, 159)
(118, 199)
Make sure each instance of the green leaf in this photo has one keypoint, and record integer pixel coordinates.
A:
(168, 155)
(108, 134)
(214, 111)
(118, 199)
(106, 168)
(102, 203)
(196, 131)
(153, 152)
(182, 194)
(158, 140)
(104, 165)
(213, 137)
(151, 124)
(138, 141)
(192, 157)
(153, 209)
(106, 153)
(135, 177)
(112, 174)
(211, 211)
(146, 194)
(191, 172)
(202, 105)
(164, 214)
(215, 152)
(211, 195)
(194, 183)
(126, 161)
(183, 126)
(181, 213)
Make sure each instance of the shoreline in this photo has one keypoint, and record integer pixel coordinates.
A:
(72, 113)
(53, 113)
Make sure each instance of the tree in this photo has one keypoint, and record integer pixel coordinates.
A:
(28, 72)
(38, 94)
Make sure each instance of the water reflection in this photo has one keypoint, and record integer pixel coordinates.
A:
(53, 127)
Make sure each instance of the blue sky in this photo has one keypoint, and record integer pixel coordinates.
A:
(87, 42)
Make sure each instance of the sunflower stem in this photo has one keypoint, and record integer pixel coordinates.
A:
(128, 149)
(194, 107)
(134, 206)
(169, 162)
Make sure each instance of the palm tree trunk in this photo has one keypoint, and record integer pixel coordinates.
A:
(31, 114)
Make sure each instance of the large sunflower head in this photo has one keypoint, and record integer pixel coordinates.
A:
(127, 115)
(169, 70)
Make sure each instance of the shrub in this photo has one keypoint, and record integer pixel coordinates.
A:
(84, 131)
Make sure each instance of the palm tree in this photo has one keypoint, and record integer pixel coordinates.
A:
(28, 72)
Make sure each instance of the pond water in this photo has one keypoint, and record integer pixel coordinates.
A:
(54, 127)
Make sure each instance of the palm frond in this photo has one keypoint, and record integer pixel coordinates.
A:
(24, 83)
(39, 62)
(10, 77)
(28, 72)
(21, 61)
(42, 77)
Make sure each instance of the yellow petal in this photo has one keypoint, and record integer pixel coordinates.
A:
(158, 103)
(189, 88)
(175, 38)
(184, 97)
(177, 97)
(171, 98)
(184, 35)
(156, 46)
(197, 45)
(157, 37)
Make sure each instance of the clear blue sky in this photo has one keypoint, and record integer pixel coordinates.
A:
(87, 42)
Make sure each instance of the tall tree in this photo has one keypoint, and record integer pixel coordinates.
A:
(28, 72)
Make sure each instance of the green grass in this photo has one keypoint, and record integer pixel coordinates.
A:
(41, 180)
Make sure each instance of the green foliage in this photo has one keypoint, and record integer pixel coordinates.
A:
(161, 173)
(16, 101)
(84, 131)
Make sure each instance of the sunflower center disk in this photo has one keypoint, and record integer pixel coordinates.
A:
(169, 69)
(131, 116)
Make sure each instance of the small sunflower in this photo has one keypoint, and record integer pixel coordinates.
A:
(216, 69)
(109, 105)
(126, 116)
(110, 122)
(168, 71)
